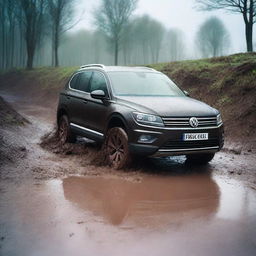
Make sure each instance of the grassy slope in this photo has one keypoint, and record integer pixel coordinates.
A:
(227, 83)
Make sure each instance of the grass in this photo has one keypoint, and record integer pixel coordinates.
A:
(211, 63)
(216, 73)
(45, 77)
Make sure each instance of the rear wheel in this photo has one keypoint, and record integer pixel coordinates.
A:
(200, 158)
(117, 148)
(64, 132)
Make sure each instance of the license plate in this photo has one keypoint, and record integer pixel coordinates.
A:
(195, 136)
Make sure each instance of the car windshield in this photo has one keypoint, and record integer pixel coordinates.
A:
(130, 83)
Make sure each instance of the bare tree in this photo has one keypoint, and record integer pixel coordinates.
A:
(8, 21)
(212, 38)
(147, 36)
(112, 17)
(246, 7)
(33, 18)
(3, 31)
(157, 34)
(142, 36)
(11, 50)
(61, 17)
(11, 17)
(127, 43)
(175, 43)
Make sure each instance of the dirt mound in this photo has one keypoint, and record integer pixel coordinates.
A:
(8, 116)
(10, 120)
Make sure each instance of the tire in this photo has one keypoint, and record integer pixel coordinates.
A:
(64, 132)
(117, 148)
(200, 158)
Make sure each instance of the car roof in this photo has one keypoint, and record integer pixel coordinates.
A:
(117, 68)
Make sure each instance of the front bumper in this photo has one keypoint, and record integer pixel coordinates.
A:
(169, 142)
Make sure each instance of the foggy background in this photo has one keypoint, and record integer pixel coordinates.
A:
(157, 31)
(180, 14)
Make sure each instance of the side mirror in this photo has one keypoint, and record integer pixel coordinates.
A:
(186, 93)
(98, 94)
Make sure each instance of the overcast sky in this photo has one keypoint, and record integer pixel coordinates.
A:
(179, 14)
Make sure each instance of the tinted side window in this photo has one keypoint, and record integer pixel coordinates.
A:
(73, 82)
(98, 82)
(83, 81)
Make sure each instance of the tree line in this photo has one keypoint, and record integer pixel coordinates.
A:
(26, 24)
(36, 33)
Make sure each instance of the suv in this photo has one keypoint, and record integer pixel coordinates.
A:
(137, 111)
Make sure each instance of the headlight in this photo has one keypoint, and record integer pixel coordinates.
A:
(219, 120)
(148, 119)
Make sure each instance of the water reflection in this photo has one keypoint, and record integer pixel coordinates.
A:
(154, 200)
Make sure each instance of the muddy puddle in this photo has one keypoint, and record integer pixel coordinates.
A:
(194, 214)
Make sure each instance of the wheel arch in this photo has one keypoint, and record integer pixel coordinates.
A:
(61, 111)
(116, 120)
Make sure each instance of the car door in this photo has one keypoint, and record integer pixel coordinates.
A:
(78, 95)
(97, 110)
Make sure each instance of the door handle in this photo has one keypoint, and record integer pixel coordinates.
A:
(85, 101)
(68, 97)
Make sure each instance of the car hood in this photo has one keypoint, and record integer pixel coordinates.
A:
(168, 106)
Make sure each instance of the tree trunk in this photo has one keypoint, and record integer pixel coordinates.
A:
(12, 45)
(30, 61)
(125, 55)
(3, 60)
(116, 52)
(30, 56)
(53, 43)
(249, 36)
(249, 26)
(214, 51)
(56, 56)
(56, 47)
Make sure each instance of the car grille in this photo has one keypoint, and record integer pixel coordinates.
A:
(183, 122)
(179, 144)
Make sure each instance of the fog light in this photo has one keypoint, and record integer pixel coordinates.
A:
(146, 138)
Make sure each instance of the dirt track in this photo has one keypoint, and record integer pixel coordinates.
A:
(61, 201)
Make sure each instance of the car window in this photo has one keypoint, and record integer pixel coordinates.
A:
(143, 84)
(98, 82)
(83, 81)
(73, 81)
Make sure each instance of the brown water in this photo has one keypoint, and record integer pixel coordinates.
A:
(194, 214)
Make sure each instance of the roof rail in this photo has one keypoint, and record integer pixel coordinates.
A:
(142, 67)
(93, 65)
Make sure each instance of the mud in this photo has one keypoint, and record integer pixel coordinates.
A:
(60, 200)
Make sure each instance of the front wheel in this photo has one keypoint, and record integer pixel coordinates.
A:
(64, 132)
(200, 158)
(117, 148)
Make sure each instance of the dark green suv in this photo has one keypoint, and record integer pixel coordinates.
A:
(137, 111)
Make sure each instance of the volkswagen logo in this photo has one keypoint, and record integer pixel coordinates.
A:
(193, 122)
